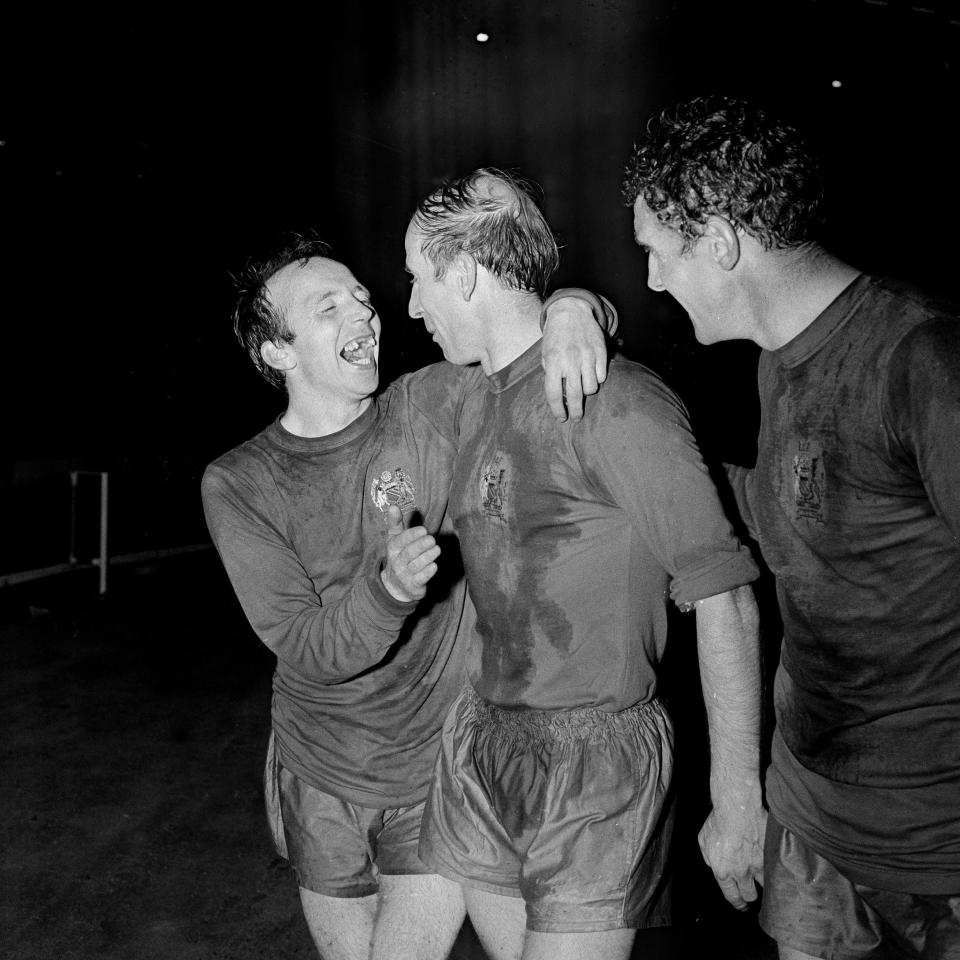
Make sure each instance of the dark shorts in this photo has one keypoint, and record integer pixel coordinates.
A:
(570, 810)
(336, 848)
(812, 907)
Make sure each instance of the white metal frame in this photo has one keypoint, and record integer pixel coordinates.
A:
(103, 561)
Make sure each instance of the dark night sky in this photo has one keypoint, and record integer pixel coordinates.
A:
(145, 156)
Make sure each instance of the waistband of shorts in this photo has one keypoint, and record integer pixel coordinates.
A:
(557, 726)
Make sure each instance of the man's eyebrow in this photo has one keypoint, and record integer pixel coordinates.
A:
(317, 295)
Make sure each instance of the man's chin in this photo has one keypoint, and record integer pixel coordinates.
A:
(365, 379)
(703, 337)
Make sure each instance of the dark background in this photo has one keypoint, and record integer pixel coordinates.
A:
(146, 155)
(143, 158)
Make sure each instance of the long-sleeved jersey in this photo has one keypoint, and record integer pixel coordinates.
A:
(362, 681)
(575, 535)
(855, 502)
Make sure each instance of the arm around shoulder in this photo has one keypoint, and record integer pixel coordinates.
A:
(574, 352)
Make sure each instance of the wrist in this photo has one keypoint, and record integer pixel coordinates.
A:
(738, 798)
(568, 293)
(391, 593)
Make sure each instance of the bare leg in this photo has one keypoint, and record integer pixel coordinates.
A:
(604, 945)
(341, 928)
(500, 923)
(788, 953)
(418, 919)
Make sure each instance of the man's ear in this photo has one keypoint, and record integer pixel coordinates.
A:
(722, 241)
(277, 355)
(465, 274)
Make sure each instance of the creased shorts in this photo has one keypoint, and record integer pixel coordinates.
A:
(570, 810)
(336, 848)
(809, 905)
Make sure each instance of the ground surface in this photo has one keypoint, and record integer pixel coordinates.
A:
(132, 734)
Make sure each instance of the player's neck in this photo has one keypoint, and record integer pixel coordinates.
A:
(321, 417)
(511, 331)
(797, 293)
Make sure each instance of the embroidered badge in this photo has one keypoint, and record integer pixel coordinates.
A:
(393, 487)
(809, 480)
(493, 488)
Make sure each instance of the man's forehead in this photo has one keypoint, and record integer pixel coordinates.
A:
(412, 240)
(644, 218)
(647, 225)
(299, 281)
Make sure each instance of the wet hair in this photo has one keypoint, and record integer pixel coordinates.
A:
(494, 217)
(725, 157)
(255, 319)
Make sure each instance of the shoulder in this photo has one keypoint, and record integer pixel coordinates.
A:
(442, 374)
(237, 466)
(434, 396)
(633, 390)
(934, 332)
(910, 297)
(927, 356)
(633, 414)
(432, 385)
(901, 307)
(912, 326)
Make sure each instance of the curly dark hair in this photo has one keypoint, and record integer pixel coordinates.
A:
(255, 319)
(493, 216)
(729, 158)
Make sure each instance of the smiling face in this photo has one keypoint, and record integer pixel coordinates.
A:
(336, 331)
(437, 303)
(688, 276)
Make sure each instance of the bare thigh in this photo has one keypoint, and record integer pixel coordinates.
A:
(419, 917)
(788, 953)
(341, 927)
(500, 923)
(602, 945)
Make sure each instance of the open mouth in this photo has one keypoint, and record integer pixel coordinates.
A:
(359, 352)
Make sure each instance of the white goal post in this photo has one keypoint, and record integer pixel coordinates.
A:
(102, 561)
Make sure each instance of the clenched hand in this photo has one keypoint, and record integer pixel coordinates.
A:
(410, 556)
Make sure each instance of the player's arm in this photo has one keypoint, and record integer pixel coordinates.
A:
(574, 351)
(731, 839)
(574, 357)
(922, 411)
(645, 458)
(324, 640)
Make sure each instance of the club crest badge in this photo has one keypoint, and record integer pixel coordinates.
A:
(809, 480)
(393, 488)
(493, 488)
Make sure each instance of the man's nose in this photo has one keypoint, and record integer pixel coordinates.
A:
(365, 313)
(413, 307)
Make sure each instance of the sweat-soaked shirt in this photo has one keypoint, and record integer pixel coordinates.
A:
(362, 681)
(855, 502)
(575, 535)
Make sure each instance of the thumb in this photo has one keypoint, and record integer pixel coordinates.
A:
(394, 520)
